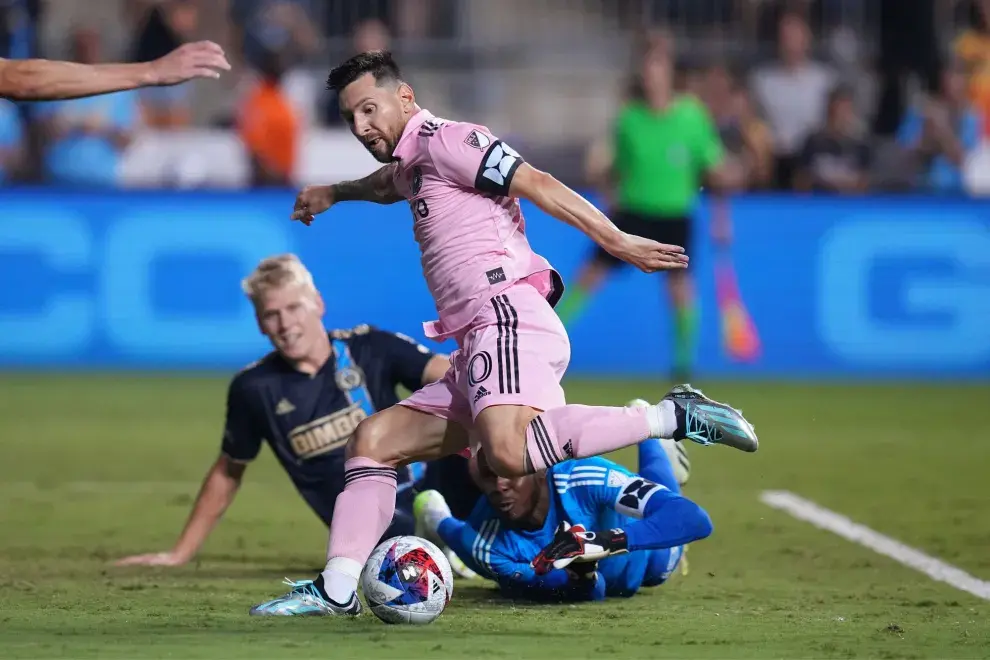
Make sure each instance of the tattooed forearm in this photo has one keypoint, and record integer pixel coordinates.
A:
(377, 187)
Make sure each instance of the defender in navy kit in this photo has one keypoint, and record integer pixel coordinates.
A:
(304, 399)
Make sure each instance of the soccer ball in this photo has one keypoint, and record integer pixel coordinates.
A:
(407, 580)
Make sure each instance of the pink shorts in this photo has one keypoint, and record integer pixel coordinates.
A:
(515, 352)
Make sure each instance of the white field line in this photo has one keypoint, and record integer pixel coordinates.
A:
(831, 521)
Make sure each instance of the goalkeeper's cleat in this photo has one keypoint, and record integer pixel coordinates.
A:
(429, 510)
(306, 599)
(709, 422)
(459, 568)
(677, 453)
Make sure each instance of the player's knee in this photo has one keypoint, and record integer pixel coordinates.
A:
(370, 440)
(505, 458)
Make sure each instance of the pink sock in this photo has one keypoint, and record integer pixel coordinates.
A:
(361, 515)
(577, 431)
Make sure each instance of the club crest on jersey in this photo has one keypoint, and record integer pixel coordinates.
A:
(478, 140)
(349, 378)
(479, 368)
(417, 180)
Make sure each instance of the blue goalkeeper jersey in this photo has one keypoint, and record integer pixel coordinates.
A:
(593, 492)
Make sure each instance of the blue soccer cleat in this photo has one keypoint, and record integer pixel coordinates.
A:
(709, 422)
(305, 599)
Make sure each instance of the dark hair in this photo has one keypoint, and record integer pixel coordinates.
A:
(378, 63)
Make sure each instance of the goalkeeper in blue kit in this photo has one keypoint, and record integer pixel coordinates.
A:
(585, 529)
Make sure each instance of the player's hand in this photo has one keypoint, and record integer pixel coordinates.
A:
(153, 559)
(312, 201)
(649, 256)
(582, 571)
(202, 59)
(572, 544)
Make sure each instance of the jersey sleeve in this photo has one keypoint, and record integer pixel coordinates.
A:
(406, 357)
(471, 157)
(241, 434)
(601, 484)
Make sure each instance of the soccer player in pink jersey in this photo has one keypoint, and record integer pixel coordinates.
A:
(494, 297)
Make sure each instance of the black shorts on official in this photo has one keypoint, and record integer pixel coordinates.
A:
(670, 230)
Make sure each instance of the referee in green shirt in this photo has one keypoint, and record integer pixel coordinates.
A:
(664, 148)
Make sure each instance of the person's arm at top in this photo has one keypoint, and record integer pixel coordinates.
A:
(44, 80)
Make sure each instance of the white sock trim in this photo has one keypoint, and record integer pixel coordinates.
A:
(662, 420)
(340, 579)
(345, 565)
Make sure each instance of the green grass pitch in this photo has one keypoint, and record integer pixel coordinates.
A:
(94, 467)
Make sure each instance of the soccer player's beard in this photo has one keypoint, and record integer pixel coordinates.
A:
(387, 156)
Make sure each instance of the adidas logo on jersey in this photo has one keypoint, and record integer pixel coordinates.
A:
(284, 407)
(430, 127)
(480, 393)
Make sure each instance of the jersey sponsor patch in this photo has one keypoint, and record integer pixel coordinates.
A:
(417, 180)
(478, 140)
(632, 500)
(497, 168)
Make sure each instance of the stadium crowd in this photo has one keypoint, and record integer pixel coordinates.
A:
(814, 100)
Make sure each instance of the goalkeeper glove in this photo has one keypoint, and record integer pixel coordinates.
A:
(573, 543)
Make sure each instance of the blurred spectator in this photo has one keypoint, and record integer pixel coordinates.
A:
(696, 17)
(342, 17)
(20, 22)
(972, 48)
(12, 141)
(368, 35)
(908, 45)
(163, 26)
(85, 137)
(849, 59)
(941, 133)
(792, 94)
(265, 26)
(269, 126)
(836, 158)
(371, 35)
(744, 135)
(19, 28)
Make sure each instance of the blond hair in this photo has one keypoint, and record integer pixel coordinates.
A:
(276, 272)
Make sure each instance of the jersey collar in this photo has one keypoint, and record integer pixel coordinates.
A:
(412, 126)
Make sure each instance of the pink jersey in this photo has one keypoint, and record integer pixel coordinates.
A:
(471, 234)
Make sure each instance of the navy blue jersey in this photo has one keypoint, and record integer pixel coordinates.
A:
(307, 419)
